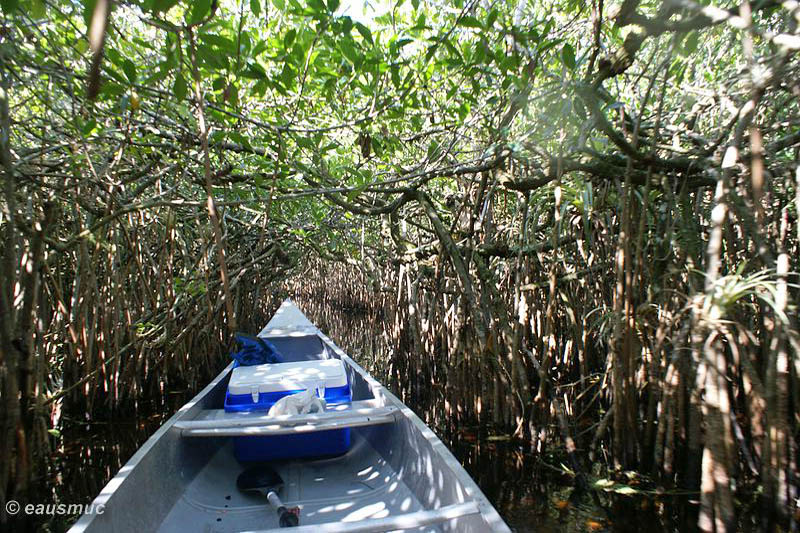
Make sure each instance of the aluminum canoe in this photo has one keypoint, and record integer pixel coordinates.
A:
(397, 475)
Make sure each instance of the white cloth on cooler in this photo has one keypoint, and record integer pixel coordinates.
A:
(300, 403)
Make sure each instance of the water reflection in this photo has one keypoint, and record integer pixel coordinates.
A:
(88, 454)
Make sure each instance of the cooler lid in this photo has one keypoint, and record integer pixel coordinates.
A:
(280, 377)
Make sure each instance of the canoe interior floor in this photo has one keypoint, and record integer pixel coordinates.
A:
(356, 486)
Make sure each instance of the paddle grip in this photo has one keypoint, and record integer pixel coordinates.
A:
(285, 517)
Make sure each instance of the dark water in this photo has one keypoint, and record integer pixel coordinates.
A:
(530, 492)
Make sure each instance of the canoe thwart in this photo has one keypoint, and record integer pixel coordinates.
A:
(218, 423)
(390, 523)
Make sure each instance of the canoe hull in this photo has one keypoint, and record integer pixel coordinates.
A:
(397, 474)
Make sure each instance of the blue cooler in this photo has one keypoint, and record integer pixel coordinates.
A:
(259, 387)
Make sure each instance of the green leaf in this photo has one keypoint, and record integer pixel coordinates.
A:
(333, 5)
(211, 56)
(468, 21)
(162, 6)
(199, 10)
(37, 9)
(109, 90)
(287, 76)
(180, 88)
(88, 127)
(288, 39)
(376, 146)
(463, 110)
(348, 49)
(419, 25)
(114, 56)
(691, 43)
(238, 138)
(255, 7)
(218, 41)
(233, 95)
(454, 51)
(129, 69)
(347, 25)
(9, 6)
(255, 71)
(298, 55)
(328, 147)
(431, 52)
(352, 195)
(260, 88)
(317, 6)
(305, 142)
(492, 18)
(259, 48)
(116, 75)
(365, 33)
(433, 150)
(568, 56)
(88, 9)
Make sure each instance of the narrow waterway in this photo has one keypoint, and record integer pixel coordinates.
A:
(533, 492)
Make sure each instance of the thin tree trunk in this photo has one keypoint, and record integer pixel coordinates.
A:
(10, 347)
(775, 448)
(211, 207)
(716, 505)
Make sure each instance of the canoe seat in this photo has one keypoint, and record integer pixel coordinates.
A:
(390, 523)
(218, 423)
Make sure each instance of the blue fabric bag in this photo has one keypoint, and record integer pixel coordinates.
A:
(255, 351)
